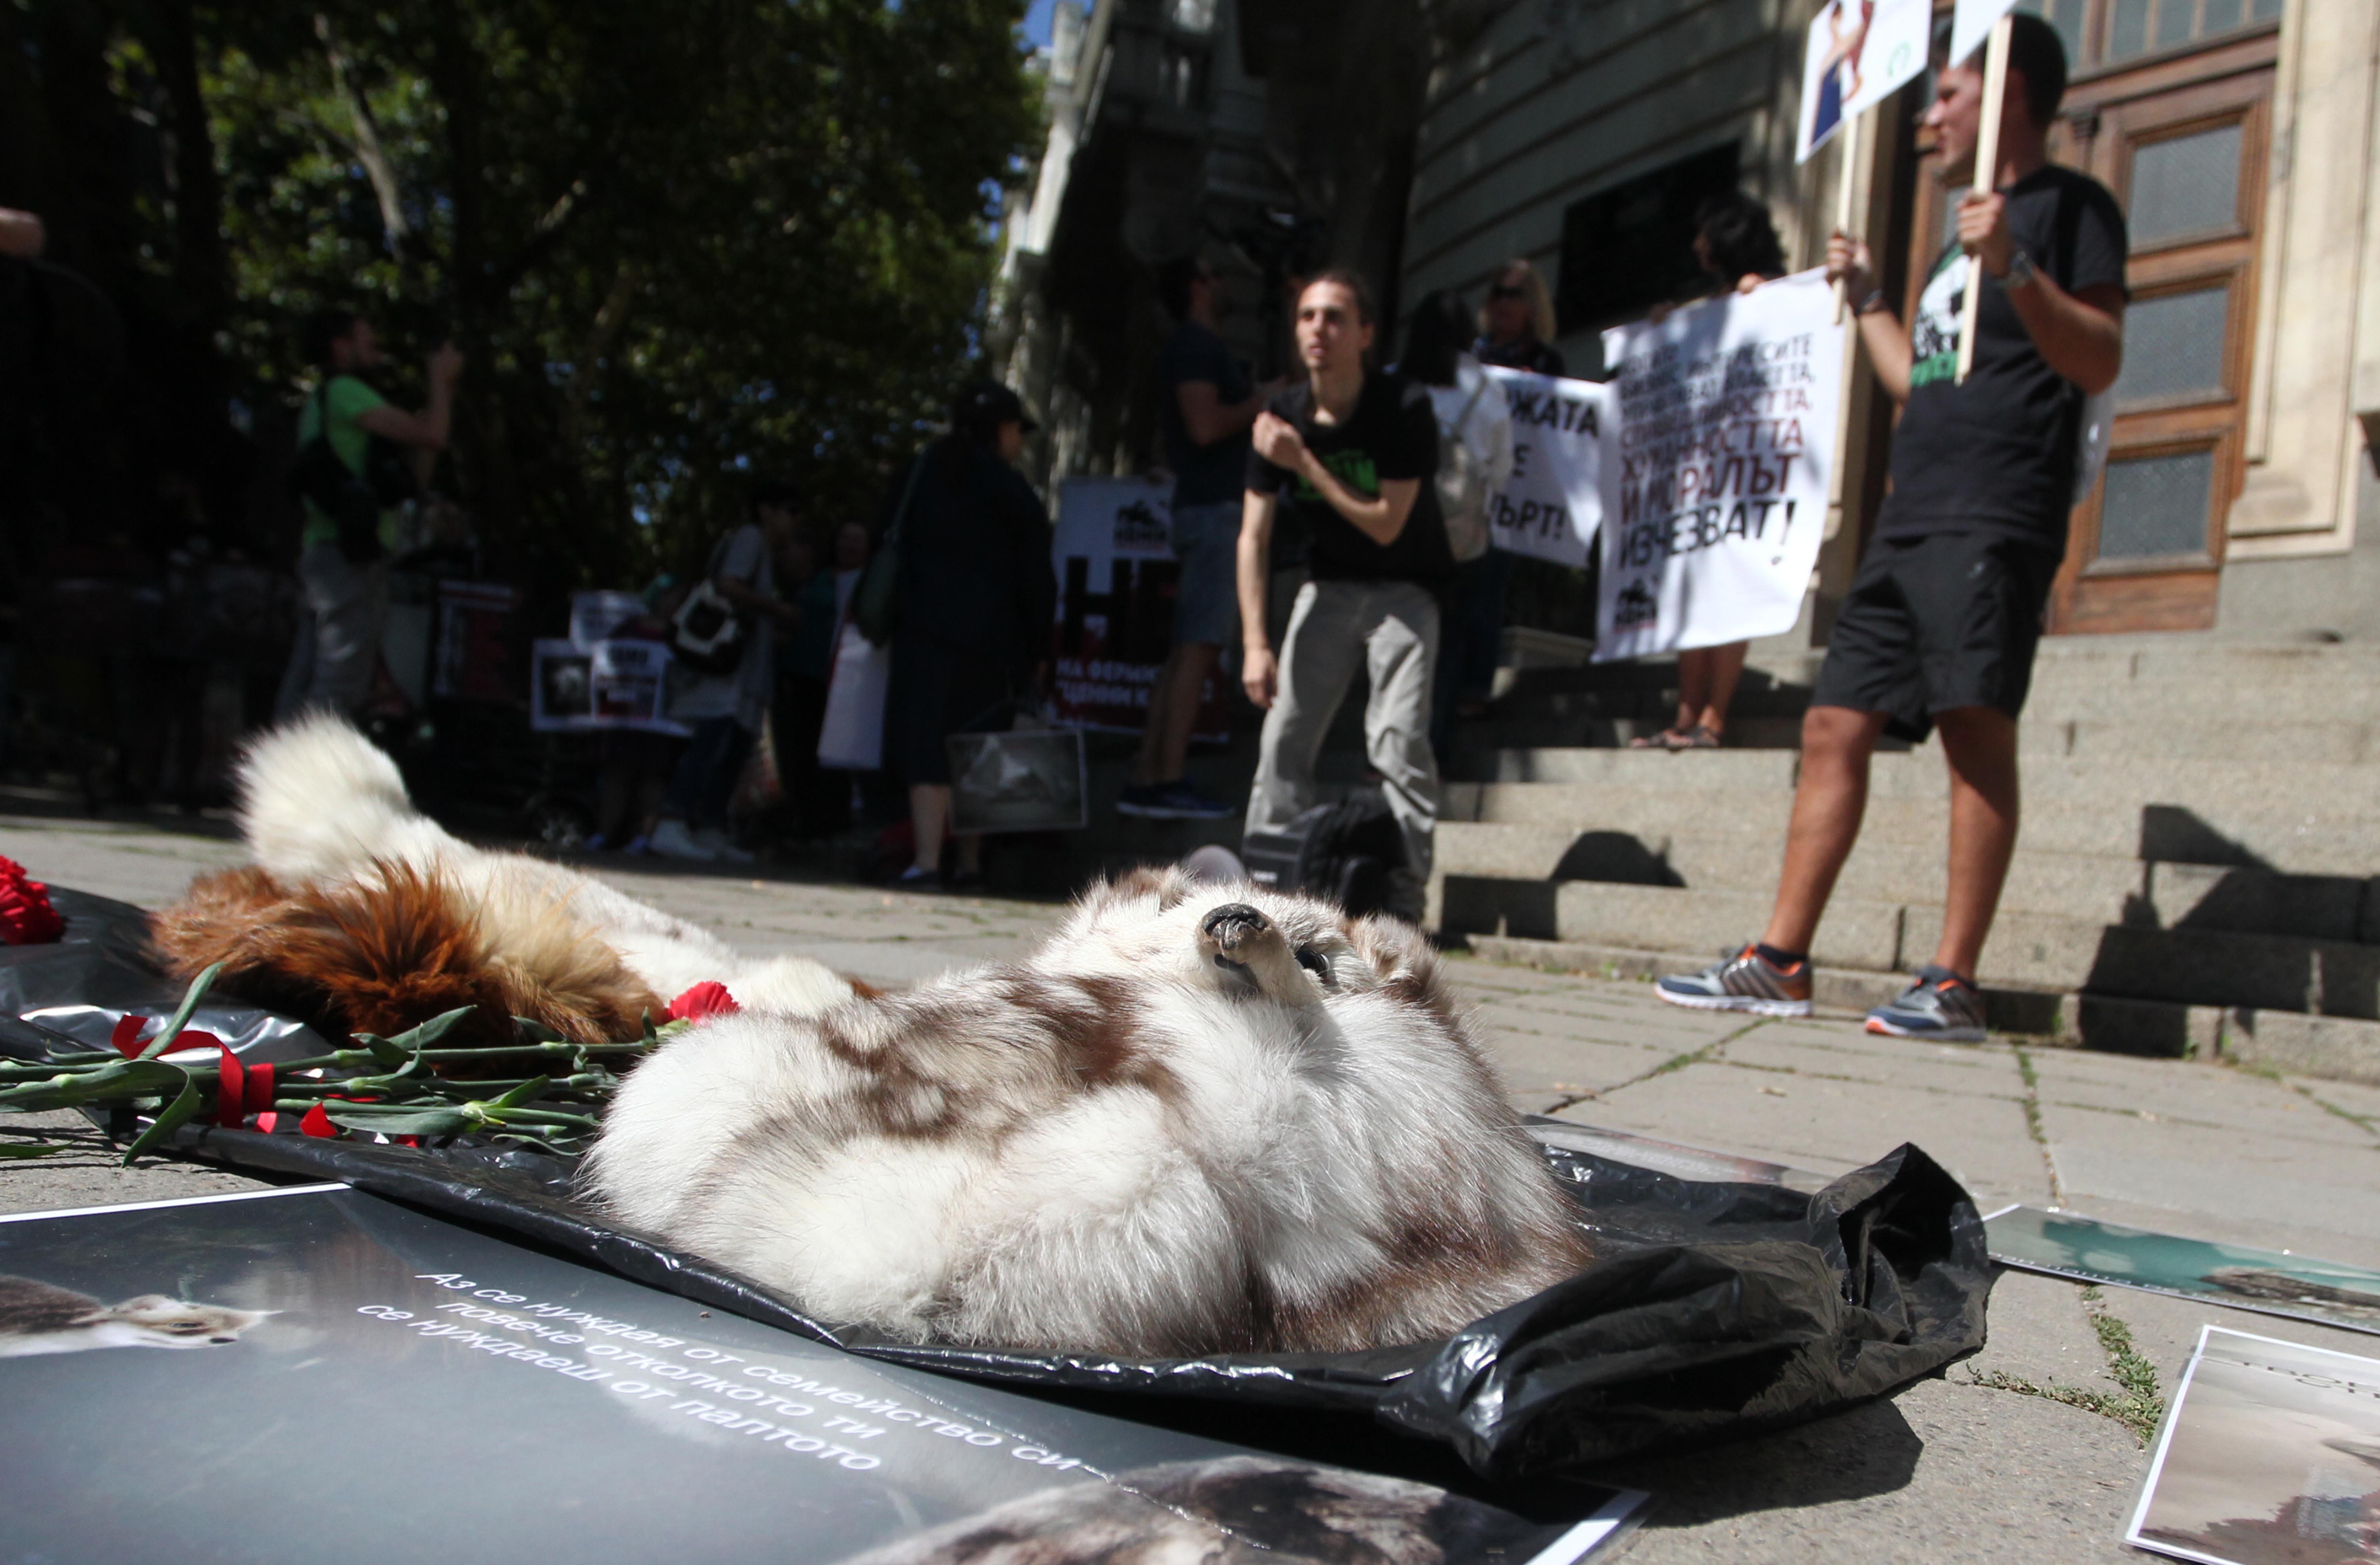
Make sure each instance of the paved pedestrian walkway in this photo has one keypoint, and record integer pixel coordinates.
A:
(1997, 1461)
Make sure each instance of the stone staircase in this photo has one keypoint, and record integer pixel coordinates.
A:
(2198, 869)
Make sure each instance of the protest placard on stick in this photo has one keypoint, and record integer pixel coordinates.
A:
(1727, 412)
(1986, 176)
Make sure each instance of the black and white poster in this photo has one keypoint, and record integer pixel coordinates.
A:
(315, 1373)
(1726, 462)
(1551, 508)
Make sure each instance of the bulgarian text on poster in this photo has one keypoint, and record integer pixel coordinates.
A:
(1726, 456)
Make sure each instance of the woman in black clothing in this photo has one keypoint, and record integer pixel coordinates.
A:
(977, 598)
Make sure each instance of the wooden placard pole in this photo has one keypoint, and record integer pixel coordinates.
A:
(1988, 175)
(1844, 181)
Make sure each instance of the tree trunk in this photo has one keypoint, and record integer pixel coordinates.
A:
(483, 457)
(201, 270)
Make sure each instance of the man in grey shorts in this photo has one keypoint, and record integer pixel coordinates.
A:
(1202, 413)
(1351, 451)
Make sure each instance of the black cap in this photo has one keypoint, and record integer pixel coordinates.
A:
(982, 407)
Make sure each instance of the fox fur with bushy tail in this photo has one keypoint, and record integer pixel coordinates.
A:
(364, 915)
(1198, 1119)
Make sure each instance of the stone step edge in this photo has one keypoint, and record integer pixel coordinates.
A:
(2275, 1042)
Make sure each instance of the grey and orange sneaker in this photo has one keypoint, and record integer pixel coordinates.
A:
(1940, 1004)
(1742, 982)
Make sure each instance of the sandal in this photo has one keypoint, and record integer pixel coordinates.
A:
(1668, 739)
(1698, 737)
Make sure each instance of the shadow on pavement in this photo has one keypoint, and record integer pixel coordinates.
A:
(1867, 1452)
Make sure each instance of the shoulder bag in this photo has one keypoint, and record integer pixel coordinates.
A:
(875, 603)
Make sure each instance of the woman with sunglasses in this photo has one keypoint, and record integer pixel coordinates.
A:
(1516, 321)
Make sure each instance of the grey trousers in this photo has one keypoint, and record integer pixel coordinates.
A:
(1390, 629)
(342, 609)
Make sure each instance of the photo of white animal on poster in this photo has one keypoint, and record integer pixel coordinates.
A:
(1727, 457)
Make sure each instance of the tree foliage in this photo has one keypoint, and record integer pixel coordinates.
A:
(681, 244)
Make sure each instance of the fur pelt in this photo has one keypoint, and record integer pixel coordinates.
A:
(361, 914)
(1198, 1119)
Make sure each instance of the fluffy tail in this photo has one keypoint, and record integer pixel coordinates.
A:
(319, 802)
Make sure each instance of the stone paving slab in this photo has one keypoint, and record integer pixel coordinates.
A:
(2207, 1166)
(1951, 1470)
(1943, 1472)
(1833, 1126)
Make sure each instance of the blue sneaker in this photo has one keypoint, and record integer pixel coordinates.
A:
(1741, 982)
(1940, 1004)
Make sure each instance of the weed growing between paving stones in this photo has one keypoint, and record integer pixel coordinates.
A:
(2032, 1126)
(2137, 1406)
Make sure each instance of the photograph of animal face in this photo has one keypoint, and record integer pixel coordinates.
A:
(1201, 1118)
(36, 1317)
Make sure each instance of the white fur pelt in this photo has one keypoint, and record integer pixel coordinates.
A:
(1198, 1119)
(321, 805)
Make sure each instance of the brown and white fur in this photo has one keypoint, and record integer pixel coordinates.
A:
(364, 915)
(1198, 1119)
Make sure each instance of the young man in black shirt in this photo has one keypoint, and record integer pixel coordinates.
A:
(1942, 619)
(1351, 451)
(1204, 409)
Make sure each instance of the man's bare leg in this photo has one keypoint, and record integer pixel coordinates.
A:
(1980, 744)
(1173, 712)
(1827, 807)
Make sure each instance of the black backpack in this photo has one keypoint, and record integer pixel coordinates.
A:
(1342, 852)
(353, 501)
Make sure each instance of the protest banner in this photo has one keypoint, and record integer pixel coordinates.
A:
(1116, 581)
(1725, 454)
(1859, 52)
(1551, 506)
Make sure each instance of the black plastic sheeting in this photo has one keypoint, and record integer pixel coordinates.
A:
(1713, 1311)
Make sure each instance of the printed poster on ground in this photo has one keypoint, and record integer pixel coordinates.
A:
(469, 1400)
(1553, 504)
(1859, 52)
(1117, 581)
(1726, 458)
(2271, 1456)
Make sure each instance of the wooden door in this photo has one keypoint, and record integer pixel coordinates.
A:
(2170, 109)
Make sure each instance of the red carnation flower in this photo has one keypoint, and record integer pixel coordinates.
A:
(26, 915)
(709, 997)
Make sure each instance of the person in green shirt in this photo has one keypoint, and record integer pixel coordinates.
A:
(344, 601)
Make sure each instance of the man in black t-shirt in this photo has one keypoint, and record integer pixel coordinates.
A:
(1352, 452)
(1941, 623)
(1205, 406)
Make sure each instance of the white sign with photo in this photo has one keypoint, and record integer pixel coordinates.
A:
(610, 683)
(1726, 456)
(1859, 52)
(1553, 504)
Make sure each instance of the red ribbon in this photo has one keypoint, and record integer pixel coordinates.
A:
(125, 1038)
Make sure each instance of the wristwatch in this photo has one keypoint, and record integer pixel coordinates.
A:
(1871, 303)
(2020, 273)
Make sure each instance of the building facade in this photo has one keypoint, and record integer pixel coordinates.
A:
(2240, 497)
